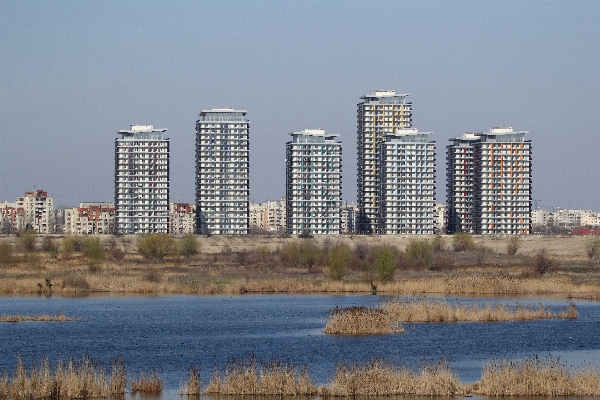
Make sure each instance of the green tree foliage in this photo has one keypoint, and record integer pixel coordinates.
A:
(157, 245)
(305, 254)
(420, 253)
(93, 250)
(513, 245)
(438, 244)
(592, 248)
(188, 246)
(463, 242)
(385, 264)
(6, 253)
(27, 240)
(68, 246)
(339, 257)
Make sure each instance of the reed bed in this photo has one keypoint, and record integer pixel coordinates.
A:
(73, 380)
(148, 382)
(37, 318)
(379, 378)
(192, 383)
(439, 310)
(361, 320)
(247, 377)
(537, 377)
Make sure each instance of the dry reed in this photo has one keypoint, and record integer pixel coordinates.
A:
(536, 377)
(361, 320)
(37, 318)
(379, 378)
(245, 377)
(192, 383)
(148, 382)
(73, 380)
(437, 310)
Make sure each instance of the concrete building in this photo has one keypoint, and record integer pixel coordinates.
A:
(222, 172)
(381, 112)
(90, 219)
(38, 210)
(489, 191)
(142, 181)
(269, 216)
(182, 219)
(13, 218)
(406, 174)
(440, 218)
(313, 183)
(349, 215)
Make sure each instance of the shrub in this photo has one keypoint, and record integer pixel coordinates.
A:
(305, 234)
(420, 253)
(513, 245)
(384, 264)
(339, 257)
(188, 246)
(75, 281)
(6, 253)
(592, 248)
(27, 240)
(542, 263)
(157, 245)
(68, 246)
(300, 254)
(438, 244)
(93, 250)
(462, 242)
(47, 244)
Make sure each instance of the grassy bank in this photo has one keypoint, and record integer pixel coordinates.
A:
(230, 265)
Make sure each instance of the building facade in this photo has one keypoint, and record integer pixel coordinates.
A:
(349, 215)
(142, 181)
(313, 183)
(269, 216)
(90, 219)
(406, 191)
(380, 112)
(222, 172)
(182, 219)
(498, 201)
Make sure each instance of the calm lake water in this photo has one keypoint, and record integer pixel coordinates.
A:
(171, 332)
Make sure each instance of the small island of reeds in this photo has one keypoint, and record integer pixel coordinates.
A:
(38, 318)
(386, 318)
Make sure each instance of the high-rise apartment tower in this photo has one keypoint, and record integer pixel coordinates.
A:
(313, 183)
(222, 172)
(489, 183)
(406, 175)
(141, 181)
(379, 113)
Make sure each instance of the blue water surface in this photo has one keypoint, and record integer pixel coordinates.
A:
(170, 333)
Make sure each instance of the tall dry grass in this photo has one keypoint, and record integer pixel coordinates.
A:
(536, 377)
(72, 380)
(248, 377)
(148, 382)
(361, 320)
(439, 310)
(379, 378)
(192, 383)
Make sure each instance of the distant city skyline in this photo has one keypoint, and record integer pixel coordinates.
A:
(74, 73)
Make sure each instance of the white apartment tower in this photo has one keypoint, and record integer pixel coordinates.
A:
(406, 191)
(141, 181)
(222, 172)
(498, 201)
(313, 183)
(380, 112)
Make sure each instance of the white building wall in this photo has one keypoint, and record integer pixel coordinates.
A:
(222, 172)
(313, 183)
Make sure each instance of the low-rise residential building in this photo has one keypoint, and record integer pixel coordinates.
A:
(13, 218)
(182, 218)
(90, 219)
(269, 216)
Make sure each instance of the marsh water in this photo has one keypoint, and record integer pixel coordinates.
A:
(170, 333)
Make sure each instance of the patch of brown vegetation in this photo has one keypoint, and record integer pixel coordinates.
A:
(361, 320)
(37, 318)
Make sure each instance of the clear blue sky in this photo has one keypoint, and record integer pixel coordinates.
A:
(74, 73)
